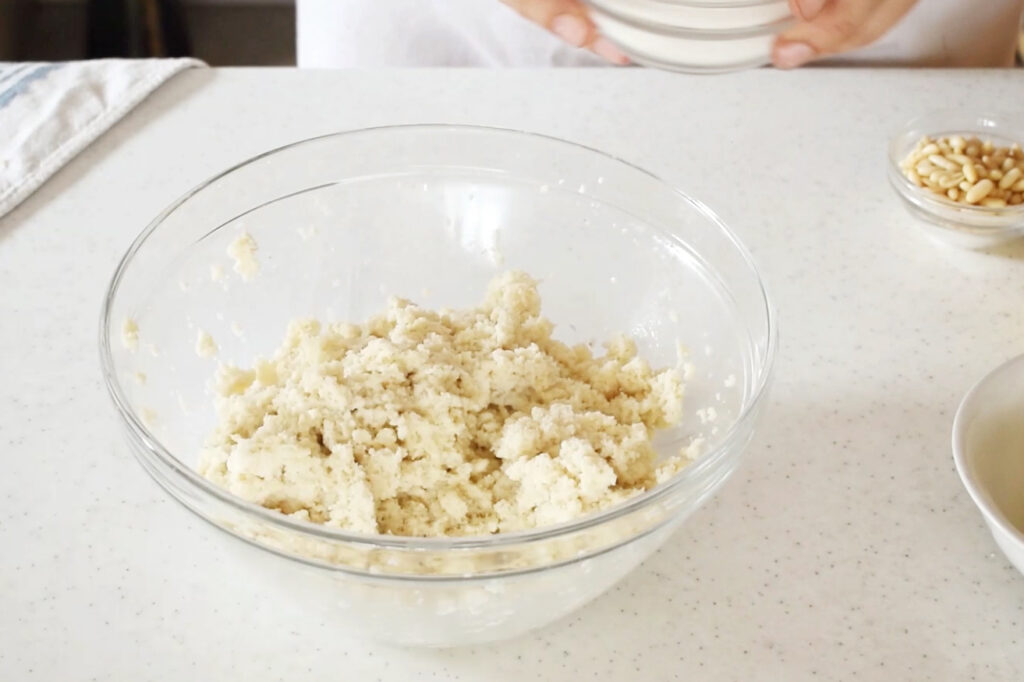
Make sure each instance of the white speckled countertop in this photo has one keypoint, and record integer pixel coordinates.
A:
(845, 548)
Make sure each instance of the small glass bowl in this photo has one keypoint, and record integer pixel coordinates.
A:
(967, 226)
(693, 36)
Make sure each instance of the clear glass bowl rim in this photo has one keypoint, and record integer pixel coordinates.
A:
(711, 4)
(932, 202)
(690, 33)
(199, 484)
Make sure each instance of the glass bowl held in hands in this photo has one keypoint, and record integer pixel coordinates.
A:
(694, 36)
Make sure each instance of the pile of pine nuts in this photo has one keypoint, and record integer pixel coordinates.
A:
(968, 170)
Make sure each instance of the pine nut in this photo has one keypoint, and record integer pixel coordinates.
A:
(1010, 179)
(967, 170)
(949, 180)
(979, 191)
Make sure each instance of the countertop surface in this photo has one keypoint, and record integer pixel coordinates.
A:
(845, 548)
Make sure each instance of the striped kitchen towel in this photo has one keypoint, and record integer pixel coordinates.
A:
(51, 111)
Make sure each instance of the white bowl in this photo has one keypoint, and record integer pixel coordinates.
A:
(988, 447)
(693, 36)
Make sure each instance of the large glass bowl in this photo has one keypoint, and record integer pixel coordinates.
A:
(432, 213)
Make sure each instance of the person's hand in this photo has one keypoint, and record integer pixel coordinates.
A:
(568, 20)
(828, 27)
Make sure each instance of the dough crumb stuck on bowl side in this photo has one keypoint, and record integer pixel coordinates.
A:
(452, 423)
(243, 252)
(129, 334)
(206, 347)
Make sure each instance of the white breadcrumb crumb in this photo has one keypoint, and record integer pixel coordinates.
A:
(205, 345)
(243, 252)
(149, 416)
(730, 381)
(450, 423)
(217, 272)
(130, 334)
(707, 415)
(140, 378)
(237, 330)
(153, 349)
(496, 255)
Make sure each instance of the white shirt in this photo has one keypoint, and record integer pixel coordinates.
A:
(369, 33)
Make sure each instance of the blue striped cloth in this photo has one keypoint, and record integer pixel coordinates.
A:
(51, 111)
(15, 78)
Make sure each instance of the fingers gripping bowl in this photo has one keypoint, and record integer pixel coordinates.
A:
(432, 213)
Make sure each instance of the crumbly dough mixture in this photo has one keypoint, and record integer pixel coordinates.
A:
(450, 423)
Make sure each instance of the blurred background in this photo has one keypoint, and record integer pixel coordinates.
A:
(220, 32)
